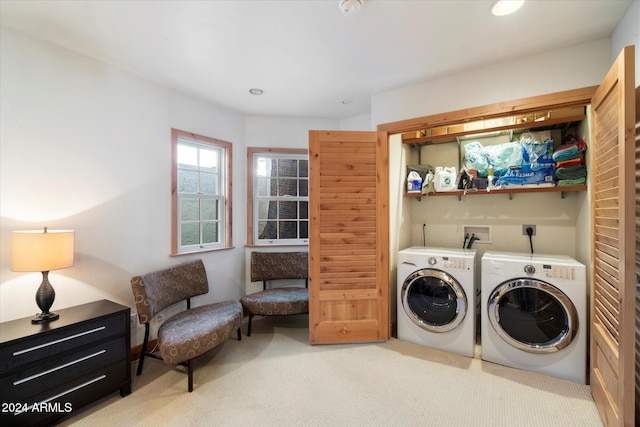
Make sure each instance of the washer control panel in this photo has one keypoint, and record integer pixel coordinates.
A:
(559, 272)
(453, 263)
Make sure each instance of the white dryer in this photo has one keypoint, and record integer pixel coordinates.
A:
(533, 313)
(437, 298)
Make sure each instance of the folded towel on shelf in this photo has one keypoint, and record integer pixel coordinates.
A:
(572, 172)
(570, 162)
(570, 182)
(572, 148)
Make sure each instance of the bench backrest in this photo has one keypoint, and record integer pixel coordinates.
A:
(279, 265)
(153, 292)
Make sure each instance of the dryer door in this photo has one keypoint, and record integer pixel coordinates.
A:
(532, 315)
(434, 300)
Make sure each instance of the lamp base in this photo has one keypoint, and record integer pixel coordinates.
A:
(44, 298)
(45, 317)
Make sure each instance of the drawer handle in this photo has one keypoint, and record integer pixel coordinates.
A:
(70, 337)
(71, 390)
(73, 362)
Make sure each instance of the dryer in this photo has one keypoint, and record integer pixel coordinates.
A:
(533, 313)
(437, 298)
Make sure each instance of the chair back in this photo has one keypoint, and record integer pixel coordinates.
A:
(153, 292)
(279, 265)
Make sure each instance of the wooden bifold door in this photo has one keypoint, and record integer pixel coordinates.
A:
(348, 238)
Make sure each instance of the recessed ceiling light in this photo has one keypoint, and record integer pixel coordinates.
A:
(505, 7)
(256, 91)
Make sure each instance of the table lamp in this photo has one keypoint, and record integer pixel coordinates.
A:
(37, 250)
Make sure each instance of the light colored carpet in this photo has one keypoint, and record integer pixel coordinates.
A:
(275, 378)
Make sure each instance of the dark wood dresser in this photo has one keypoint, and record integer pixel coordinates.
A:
(48, 371)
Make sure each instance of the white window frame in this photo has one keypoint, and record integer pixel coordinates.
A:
(221, 194)
(254, 199)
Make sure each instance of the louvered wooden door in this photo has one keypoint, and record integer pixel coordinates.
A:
(637, 254)
(612, 170)
(348, 240)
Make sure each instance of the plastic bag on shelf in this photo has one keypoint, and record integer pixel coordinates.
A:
(476, 157)
(502, 156)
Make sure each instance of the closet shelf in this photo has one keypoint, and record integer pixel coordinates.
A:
(510, 191)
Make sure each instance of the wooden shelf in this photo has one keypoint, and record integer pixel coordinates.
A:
(459, 193)
(523, 122)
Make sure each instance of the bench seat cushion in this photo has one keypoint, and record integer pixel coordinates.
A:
(277, 301)
(195, 331)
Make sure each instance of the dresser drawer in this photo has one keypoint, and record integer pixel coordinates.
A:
(56, 371)
(58, 402)
(45, 344)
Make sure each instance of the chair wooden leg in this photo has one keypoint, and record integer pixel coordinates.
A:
(143, 353)
(239, 334)
(190, 374)
(249, 325)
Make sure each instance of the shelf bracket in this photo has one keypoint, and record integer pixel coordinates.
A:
(459, 153)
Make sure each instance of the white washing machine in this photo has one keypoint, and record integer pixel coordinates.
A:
(437, 298)
(533, 313)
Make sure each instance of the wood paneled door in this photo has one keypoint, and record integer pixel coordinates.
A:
(612, 170)
(348, 237)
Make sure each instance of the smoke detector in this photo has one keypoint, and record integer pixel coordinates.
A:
(350, 7)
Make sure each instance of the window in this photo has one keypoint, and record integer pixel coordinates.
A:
(200, 193)
(278, 205)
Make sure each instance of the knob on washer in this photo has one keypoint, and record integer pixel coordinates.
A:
(529, 269)
(432, 261)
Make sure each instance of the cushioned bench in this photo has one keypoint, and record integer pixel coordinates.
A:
(192, 332)
(268, 266)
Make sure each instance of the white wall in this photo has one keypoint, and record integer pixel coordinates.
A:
(569, 68)
(628, 33)
(85, 146)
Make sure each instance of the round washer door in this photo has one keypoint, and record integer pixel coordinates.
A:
(532, 315)
(434, 300)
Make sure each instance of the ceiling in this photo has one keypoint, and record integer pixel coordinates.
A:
(306, 55)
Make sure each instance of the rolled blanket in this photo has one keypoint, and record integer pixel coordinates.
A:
(569, 182)
(572, 172)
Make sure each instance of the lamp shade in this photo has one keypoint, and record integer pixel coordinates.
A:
(42, 250)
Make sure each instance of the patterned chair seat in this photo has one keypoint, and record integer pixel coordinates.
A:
(277, 302)
(193, 332)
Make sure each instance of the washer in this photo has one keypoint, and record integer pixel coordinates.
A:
(533, 313)
(437, 298)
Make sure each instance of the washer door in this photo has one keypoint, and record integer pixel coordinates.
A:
(532, 315)
(434, 300)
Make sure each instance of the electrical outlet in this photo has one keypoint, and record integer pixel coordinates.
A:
(524, 229)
